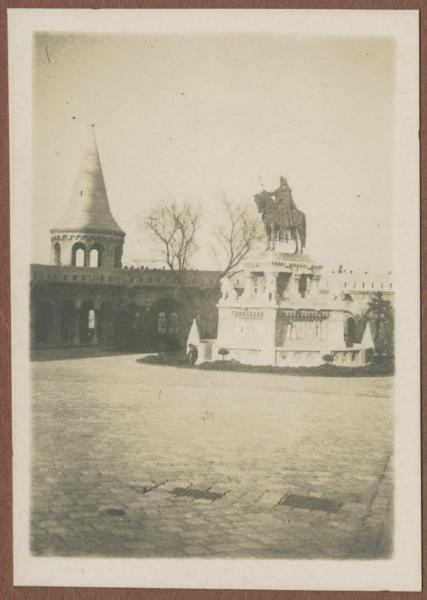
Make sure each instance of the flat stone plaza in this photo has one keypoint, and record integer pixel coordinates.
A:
(136, 460)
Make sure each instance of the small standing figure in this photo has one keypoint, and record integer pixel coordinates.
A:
(192, 354)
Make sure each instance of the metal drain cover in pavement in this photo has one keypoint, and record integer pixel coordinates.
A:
(195, 493)
(311, 503)
(114, 512)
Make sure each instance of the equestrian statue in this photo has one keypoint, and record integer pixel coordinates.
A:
(282, 219)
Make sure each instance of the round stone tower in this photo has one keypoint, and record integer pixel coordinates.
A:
(88, 235)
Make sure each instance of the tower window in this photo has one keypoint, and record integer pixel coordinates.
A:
(95, 256)
(78, 255)
(57, 253)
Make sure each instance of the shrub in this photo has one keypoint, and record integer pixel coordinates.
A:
(223, 352)
(328, 358)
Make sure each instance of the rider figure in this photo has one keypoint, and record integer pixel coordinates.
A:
(283, 196)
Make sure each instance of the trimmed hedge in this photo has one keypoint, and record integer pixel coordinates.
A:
(380, 368)
(384, 369)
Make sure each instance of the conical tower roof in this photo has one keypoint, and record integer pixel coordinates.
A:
(89, 209)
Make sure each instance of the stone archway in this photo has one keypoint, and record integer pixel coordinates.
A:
(44, 323)
(165, 326)
(130, 327)
(87, 323)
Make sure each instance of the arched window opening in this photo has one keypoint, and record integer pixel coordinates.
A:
(57, 253)
(130, 328)
(164, 326)
(78, 255)
(91, 319)
(95, 256)
(80, 258)
(87, 326)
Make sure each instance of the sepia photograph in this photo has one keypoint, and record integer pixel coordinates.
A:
(215, 298)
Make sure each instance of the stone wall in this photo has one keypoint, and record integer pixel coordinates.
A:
(126, 309)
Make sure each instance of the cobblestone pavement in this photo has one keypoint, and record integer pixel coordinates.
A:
(119, 447)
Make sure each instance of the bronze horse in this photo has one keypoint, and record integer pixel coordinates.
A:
(281, 223)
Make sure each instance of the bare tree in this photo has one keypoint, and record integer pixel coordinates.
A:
(240, 233)
(175, 226)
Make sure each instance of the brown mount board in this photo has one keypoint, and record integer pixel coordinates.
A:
(7, 589)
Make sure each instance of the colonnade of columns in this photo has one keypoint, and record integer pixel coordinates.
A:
(68, 323)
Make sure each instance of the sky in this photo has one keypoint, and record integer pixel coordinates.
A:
(197, 116)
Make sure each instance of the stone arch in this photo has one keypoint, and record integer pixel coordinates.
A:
(165, 325)
(78, 254)
(96, 255)
(44, 322)
(87, 322)
(131, 327)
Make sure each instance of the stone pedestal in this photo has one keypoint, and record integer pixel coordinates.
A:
(280, 317)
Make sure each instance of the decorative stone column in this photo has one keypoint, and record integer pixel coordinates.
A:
(87, 257)
(76, 336)
(95, 339)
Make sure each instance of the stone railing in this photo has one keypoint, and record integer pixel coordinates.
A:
(122, 277)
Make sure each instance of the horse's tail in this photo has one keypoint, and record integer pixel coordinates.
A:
(303, 231)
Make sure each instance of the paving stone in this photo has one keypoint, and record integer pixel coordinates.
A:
(328, 439)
